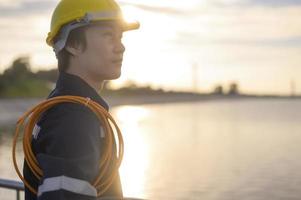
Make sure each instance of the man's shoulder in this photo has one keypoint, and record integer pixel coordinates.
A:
(71, 112)
(67, 120)
(67, 108)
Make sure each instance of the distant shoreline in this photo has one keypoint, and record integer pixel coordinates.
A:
(12, 108)
(178, 98)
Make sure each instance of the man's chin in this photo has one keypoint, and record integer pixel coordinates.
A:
(113, 76)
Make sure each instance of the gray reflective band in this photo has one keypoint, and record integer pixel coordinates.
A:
(36, 131)
(64, 32)
(60, 44)
(102, 132)
(67, 183)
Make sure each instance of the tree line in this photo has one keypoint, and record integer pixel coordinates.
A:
(19, 81)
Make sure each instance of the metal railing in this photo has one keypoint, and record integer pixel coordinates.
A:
(19, 186)
(12, 185)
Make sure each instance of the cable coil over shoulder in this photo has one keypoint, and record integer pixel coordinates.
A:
(102, 182)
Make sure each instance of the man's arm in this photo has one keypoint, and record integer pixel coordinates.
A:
(69, 144)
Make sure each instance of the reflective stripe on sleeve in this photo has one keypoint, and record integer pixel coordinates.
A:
(67, 183)
(36, 131)
(102, 132)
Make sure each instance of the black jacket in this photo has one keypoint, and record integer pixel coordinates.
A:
(67, 141)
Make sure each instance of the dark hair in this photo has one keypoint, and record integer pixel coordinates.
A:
(76, 37)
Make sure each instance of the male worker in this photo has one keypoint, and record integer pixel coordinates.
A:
(68, 139)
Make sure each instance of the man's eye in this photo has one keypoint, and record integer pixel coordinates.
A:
(108, 34)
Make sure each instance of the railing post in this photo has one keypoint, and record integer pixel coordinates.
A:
(12, 185)
(18, 194)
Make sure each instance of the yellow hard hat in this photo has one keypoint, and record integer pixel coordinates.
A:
(70, 14)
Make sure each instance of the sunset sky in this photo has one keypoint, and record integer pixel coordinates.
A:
(256, 43)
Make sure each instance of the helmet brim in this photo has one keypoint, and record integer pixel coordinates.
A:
(129, 26)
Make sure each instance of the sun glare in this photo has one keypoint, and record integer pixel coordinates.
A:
(41, 25)
(135, 160)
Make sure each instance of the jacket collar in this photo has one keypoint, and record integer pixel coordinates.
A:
(69, 84)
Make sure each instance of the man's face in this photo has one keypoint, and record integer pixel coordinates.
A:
(102, 58)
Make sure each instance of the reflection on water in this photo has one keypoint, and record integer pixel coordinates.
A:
(214, 150)
(135, 160)
(219, 150)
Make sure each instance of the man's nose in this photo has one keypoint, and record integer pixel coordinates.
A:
(119, 47)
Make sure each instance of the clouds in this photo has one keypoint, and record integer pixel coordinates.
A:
(275, 3)
(186, 7)
(156, 9)
(24, 25)
(177, 7)
(226, 36)
(166, 3)
(198, 40)
(251, 3)
(25, 8)
(278, 27)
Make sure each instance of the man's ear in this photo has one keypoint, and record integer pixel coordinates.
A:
(74, 49)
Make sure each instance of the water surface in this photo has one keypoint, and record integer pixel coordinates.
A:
(215, 150)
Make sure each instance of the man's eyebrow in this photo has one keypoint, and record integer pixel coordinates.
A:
(110, 26)
(104, 28)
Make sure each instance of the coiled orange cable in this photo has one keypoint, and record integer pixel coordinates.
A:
(102, 182)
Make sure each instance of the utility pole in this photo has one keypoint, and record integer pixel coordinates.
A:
(293, 88)
(195, 77)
